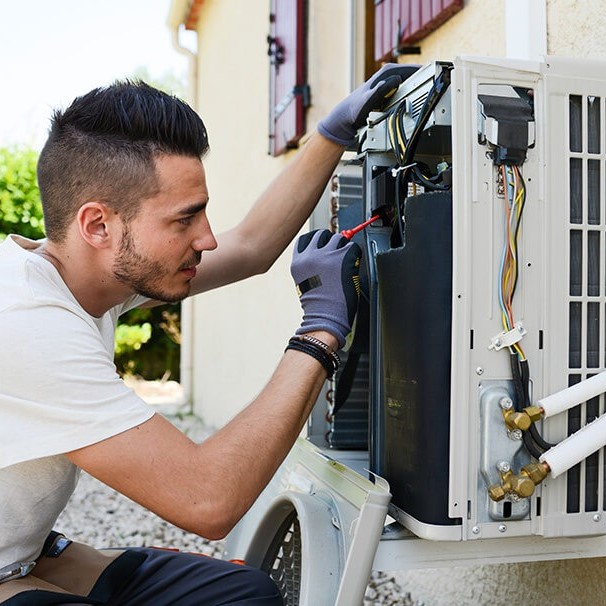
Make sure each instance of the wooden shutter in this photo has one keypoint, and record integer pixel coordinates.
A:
(289, 92)
(400, 23)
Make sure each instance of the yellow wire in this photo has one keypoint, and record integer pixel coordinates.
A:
(511, 180)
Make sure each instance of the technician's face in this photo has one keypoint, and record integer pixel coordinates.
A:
(163, 244)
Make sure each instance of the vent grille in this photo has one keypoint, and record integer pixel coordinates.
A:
(417, 105)
(349, 426)
(587, 288)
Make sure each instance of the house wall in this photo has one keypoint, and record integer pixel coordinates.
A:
(475, 30)
(576, 28)
(240, 331)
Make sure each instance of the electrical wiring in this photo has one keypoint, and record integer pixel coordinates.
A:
(396, 132)
(404, 148)
(515, 198)
(514, 190)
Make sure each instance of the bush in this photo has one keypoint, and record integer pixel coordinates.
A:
(20, 207)
(150, 355)
(147, 340)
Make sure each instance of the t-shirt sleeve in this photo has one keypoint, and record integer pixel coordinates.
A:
(59, 388)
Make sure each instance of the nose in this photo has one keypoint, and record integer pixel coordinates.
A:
(204, 238)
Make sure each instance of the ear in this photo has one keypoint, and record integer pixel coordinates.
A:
(96, 224)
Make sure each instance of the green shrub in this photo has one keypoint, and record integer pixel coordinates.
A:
(158, 357)
(20, 207)
(131, 337)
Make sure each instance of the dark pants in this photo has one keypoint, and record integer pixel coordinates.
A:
(156, 577)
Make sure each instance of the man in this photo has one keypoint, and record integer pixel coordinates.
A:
(124, 196)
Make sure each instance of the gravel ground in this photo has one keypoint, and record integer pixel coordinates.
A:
(101, 517)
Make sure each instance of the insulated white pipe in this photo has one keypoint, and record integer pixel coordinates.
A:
(576, 447)
(571, 396)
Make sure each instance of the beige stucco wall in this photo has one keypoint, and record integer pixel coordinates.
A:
(576, 28)
(241, 330)
(476, 30)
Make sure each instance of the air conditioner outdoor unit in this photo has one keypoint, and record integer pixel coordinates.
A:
(487, 293)
(474, 383)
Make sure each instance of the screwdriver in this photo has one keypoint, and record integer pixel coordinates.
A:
(350, 233)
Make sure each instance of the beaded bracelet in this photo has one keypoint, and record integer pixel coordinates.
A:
(316, 349)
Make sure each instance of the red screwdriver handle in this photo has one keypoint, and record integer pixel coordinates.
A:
(350, 233)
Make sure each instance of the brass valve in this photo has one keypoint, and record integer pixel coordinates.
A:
(521, 484)
(523, 419)
(537, 472)
(516, 420)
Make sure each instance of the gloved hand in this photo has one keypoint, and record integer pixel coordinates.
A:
(325, 268)
(346, 118)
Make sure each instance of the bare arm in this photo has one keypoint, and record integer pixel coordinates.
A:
(258, 240)
(206, 488)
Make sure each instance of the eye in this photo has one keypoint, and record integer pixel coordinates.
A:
(185, 220)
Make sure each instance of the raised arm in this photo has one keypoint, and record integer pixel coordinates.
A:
(274, 220)
(258, 240)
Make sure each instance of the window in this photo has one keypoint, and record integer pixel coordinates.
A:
(401, 23)
(289, 92)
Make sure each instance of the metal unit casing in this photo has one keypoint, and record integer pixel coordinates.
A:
(560, 296)
(561, 287)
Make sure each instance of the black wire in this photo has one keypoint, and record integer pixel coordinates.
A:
(534, 432)
(440, 86)
(531, 446)
(361, 141)
(399, 211)
(437, 91)
(428, 183)
(538, 438)
(533, 442)
(518, 384)
(525, 377)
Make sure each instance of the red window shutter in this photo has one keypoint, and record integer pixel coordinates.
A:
(289, 93)
(404, 22)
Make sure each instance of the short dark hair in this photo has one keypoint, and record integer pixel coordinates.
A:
(104, 145)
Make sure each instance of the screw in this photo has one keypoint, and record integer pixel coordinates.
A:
(498, 342)
(515, 434)
(506, 403)
(503, 466)
(597, 517)
(502, 528)
(479, 370)
(475, 530)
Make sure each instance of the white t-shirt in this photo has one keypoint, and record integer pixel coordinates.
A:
(59, 391)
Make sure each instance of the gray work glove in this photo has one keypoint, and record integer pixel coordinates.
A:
(325, 268)
(346, 118)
